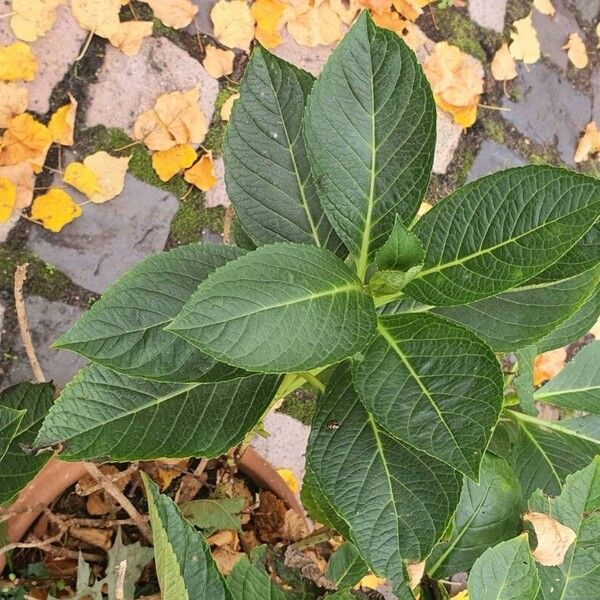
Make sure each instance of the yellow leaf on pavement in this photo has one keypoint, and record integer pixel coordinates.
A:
(218, 62)
(346, 10)
(168, 163)
(269, 17)
(589, 143)
(17, 62)
(8, 198)
(13, 102)
(228, 106)
(25, 140)
(129, 35)
(173, 13)
(99, 16)
(544, 6)
(202, 174)
(319, 25)
(233, 23)
(553, 539)
(525, 45)
(576, 51)
(548, 364)
(62, 123)
(54, 209)
(110, 173)
(33, 18)
(410, 9)
(82, 178)
(503, 64)
(23, 178)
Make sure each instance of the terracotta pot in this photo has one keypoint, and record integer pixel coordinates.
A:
(57, 476)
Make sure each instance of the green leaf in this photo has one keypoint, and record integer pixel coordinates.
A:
(505, 572)
(395, 499)
(493, 234)
(267, 170)
(524, 384)
(17, 469)
(487, 513)
(370, 134)
(346, 566)
(578, 507)
(281, 308)
(214, 514)
(401, 251)
(577, 385)
(124, 330)
(184, 565)
(433, 385)
(10, 421)
(101, 413)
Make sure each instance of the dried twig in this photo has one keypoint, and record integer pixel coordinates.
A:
(120, 583)
(125, 503)
(227, 224)
(100, 523)
(35, 543)
(20, 277)
(130, 470)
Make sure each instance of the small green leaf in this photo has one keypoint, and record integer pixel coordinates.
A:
(346, 566)
(389, 283)
(524, 385)
(402, 250)
(433, 385)
(281, 308)
(505, 572)
(184, 565)
(214, 514)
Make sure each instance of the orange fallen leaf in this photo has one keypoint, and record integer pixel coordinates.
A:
(319, 25)
(54, 209)
(576, 51)
(233, 23)
(129, 35)
(503, 64)
(525, 45)
(228, 106)
(202, 174)
(548, 364)
(99, 16)
(218, 62)
(410, 9)
(17, 62)
(588, 144)
(25, 140)
(269, 17)
(110, 173)
(553, 539)
(33, 18)
(544, 6)
(13, 102)
(8, 198)
(62, 123)
(173, 13)
(168, 163)
(82, 178)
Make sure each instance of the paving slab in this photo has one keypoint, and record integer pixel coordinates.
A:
(217, 196)
(202, 22)
(54, 52)
(493, 157)
(108, 238)
(47, 321)
(588, 9)
(489, 14)
(2, 311)
(7, 226)
(309, 59)
(550, 110)
(595, 81)
(132, 84)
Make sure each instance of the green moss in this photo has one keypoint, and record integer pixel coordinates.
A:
(494, 130)
(191, 218)
(516, 9)
(460, 31)
(301, 405)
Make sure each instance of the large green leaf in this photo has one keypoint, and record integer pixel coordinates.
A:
(578, 507)
(124, 330)
(281, 308)
(395, 499)
(266, 167)
(370, 134)
(498, 232)
(17, 468)
(433, 385)
(577, 386)
(10, 420)
(488, 512)
(184, 565)
(505, 572)
(101, 414)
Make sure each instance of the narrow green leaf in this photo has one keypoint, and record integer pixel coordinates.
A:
(370, 134)
(281, 308)
(104, 414)
(488, 512)
(214, 514)
(578, 507)
(395, 499)
(267, 170)
(10, 421)
(433, 385)
(492, 234)
(577, 385)
(346, 566)
(184, 565)
(17, 469)
(505, 572)
(524, 385)
(124, 330)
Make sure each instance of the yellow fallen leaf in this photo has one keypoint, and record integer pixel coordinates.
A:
(13, 102)
(548, 364)
(544, 6)
(25, 140)
(233, 23)
(110, 173)
(32, 19)
(168, 469)
(168, 163)
(345, 9)
(8, 198)
(376, 5)
(290, 479)
(23, 178)
(54, 209)
(525, 45)
(588, 144)
(370, 581)
(173, 13)
(82, 178)
(99, 16)
(464, 595)
(129, 35)
(62, 123)
(228, 106)
(424, 209)
(503, 64)
(410, 9)
(202, 174)
(218, 62)
(576, 51)
(269, 17)
(553, 539)
(175, 119)
(319, 25)
(17, 62)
